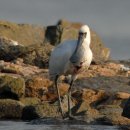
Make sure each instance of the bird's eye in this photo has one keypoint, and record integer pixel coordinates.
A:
(81, 33)
(85, 33)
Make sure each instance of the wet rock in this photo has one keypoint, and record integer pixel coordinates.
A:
(10, 109)
(11, 87)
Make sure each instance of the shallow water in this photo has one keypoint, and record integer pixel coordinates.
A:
(19, 125)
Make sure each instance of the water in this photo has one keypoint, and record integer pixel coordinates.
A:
(119, 47)
(19, 125)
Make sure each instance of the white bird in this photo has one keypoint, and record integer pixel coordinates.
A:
(70, 58)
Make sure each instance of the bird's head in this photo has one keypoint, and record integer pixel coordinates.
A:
(84, 34)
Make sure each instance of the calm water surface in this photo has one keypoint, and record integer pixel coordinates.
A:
(13, 125)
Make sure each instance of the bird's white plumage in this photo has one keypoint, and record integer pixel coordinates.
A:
(59, 62)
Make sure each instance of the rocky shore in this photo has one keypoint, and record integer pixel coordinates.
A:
(99, 94)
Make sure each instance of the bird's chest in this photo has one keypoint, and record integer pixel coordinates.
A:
(79, 61)
(75, 69)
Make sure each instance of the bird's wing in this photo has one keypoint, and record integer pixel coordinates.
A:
(60, 57)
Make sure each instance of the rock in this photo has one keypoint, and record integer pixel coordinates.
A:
(37, 54)
(51, 94)
(65, 30)
(37, 87)
(9, 52)
(30, 101)
(126, 109)
(10, 109)
(24, 34)
(53, 34)
(122, 95)
(12, 44)
(19, 69)
(94, 96)
(40, 111)
(85, 111)
(7, 41)
(10, 68)
(91, 96)
(111, 114)
(11, 87)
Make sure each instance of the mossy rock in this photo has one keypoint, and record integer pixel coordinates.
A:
(9, 52)
(35, 54)
(111, 114)
(39, 111)
(11, 87)
(25, 34)
(10, 109)
(37, 87)
(30, 101)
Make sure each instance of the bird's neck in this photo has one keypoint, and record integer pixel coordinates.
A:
(86, 44)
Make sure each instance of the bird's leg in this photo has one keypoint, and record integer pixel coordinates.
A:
(59, 99)
(69, 100)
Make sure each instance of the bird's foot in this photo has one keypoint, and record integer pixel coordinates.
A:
(71, 117)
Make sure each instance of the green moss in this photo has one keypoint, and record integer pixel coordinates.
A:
(10, 109)
(15, 85)
(23, 33)
(30, 101)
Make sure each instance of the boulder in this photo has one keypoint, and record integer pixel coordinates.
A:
(122, 95)
(93, 97)
(37, 86)
(40, 111)
(126, 109)
(10, 109)
(8, 51)
(65, 30)
(24, 34)
(51, 94)
(84, 111)
(11, 86)
(35, 54)
(111, 114)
